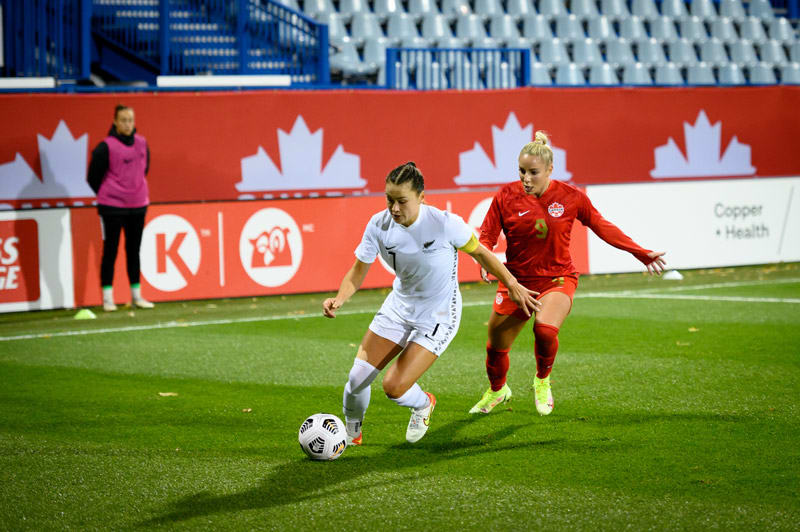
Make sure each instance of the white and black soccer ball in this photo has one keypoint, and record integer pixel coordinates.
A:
(323, 437)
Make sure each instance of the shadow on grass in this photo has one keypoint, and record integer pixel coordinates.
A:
(289, 483)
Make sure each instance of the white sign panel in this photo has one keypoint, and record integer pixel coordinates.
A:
(35, 260)
(700, 223)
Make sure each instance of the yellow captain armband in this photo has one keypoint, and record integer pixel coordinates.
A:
(471, 245)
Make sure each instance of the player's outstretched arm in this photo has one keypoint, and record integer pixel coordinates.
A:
(656, 267)
(350, 284)
(524, 298)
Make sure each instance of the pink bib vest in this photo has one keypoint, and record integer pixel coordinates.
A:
(124, 184)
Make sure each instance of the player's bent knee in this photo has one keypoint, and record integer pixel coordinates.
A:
(544, 332)
(394, 388)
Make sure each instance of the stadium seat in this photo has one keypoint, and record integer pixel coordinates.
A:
(733, 9)
(636, 74)
(364, 27)
(503, 28)
(773, 52)
(375, 51)
(316, 8)
(469, 27)
(663, 29)
(700, 74)
(586, 52)
(722, 28)
(669, 74)
(703, 8)
(569, 74)
(790, 74)
(762, 74)
(692, 28)
(731, 74)
(602, 74)
(619, 53)
(569, 27)
(552, 8)
(348, 8)
(650, 52)
(781, 30)
(674, 8)
(384, 9)
(794, 51)
(453, 8)
(520, 8)
(742, 53)
(451, 42)
(632, 28)
(485, 42)
(435, 26)
(488, 8)
(420, 8)
(682, 52)
(553, 52)
(336, 30)
(713, 52)
(614, 9)
(347, 61)
(601, 29)
(519, 42)
(400, 26)
(415, 42)
(536, 28)
(540, 74)
(583, 8)
(645, 9)
(761, 9)
(752, 30)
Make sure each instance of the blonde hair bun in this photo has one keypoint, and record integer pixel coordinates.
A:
(541, 136)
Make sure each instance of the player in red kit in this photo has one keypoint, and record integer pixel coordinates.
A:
(536, 214)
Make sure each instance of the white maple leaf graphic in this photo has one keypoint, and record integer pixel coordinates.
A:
(475, 167)
(301, 165)
(703, 148)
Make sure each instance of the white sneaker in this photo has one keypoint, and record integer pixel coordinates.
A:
(542, 395)
(109, 306)
(142, 303)
(353, 429)
(420, 420)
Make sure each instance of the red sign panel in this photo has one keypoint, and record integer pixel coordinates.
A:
(19, 261)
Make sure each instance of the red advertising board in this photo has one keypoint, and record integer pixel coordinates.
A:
(210, 146)
(245, 248)
(19, 261)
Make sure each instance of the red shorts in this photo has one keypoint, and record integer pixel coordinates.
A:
(503, 305)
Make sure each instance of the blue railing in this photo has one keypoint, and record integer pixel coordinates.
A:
(216, 37)
(457, 68)
(46, 38)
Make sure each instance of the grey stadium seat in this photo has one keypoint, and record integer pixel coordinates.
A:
(674, 8)
(586, 52)
(636, 74)
(790, 74)
(488, 8)
(663, 29)
(485, 42)
(762, 74)
(435, 26)
(713, 52)
(781, 30)
(682, 52)
(569, 74)
(350, 7)
(569, 27)
(470, 27)
(453, 8)
(601, 29)
(752, 30)
(743, 53)
(401, 26)
(365, 26)
(761, 9)
(540, 74)
(723, 29)
(420, 8)
(703, 8)
(731, 74)
(519, 42)
(553, 52)
(773, 52)
(669, 74)
(632, 28)
(375, 51)
(602, 74)
(451, 42)
(615, 9)
(645, 9)
(336, 30)
(415, 42)
(700, 74)
(650, 52)
(519, 8)
(733, 9)
(503, 28)
(536, 28)
(315, 8)
(692, 28)
(385, 8)
(348, 62)
(794, 51)
(583, 8)
(552, 8)
(619, 53)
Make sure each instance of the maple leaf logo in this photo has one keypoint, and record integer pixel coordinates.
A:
(475, 167)
(703, 148)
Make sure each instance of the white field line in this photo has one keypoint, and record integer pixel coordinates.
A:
(626, 294)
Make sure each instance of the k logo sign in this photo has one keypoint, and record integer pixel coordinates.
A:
(270, 247)
(170, 253)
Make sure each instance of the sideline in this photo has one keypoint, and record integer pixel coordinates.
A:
(624, 294)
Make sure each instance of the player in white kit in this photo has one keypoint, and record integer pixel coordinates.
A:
(420, 317)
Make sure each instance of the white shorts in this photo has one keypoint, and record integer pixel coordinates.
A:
(434, 333)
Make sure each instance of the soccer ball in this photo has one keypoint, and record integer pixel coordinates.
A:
(323, 437)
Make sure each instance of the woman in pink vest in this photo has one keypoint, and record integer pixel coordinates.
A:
(117, 175)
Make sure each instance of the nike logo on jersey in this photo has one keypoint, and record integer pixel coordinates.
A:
(523, 213)
(426, 245)
(389, 248)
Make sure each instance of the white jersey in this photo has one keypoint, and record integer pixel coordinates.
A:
(424, 257)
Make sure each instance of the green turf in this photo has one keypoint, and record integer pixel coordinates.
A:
(671, 414)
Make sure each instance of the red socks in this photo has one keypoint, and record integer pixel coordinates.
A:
(545, 346)
(496, 366)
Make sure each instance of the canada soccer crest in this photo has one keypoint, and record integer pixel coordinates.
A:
(555, 209)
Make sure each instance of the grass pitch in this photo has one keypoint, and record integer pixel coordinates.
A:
(676, 409)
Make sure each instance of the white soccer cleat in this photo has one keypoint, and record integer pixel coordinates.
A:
(353, 429)
(109, 306)
(543, 395)
(420, 420)
(142, 303)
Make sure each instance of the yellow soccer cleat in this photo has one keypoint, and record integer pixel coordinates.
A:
(542, 395)
(491, 399)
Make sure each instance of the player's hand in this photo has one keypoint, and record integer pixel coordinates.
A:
(524, 299)
(657, 266)
(485, 275)
(330, 306)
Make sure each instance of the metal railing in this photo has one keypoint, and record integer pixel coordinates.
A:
(46, 38)
(457, 68)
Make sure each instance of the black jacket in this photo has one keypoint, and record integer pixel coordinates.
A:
(98, 166)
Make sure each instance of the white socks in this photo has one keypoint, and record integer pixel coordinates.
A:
(108, 295)
(414, 398)
(357, 390)
(136, 292)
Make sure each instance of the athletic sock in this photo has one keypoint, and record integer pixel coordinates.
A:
(496, 366)
(108, 294)
(136, 291)
(355, 399)
(545, 347)
(413, 398)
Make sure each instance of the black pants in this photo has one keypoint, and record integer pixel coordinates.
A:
(116, 220)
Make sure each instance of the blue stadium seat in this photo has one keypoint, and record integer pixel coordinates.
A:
(650, 52)
(586, 52)
(669, 74)
(619, 53)
(761, 74)
(674, 8)
(682, 52)
(692, 28)
(773, 52)
(540, 74)
(790, 74)
(752, 30)
(723, 29)
(731, 74)
(713, 52)
(569, 27)
(761, 9)
(663, 28)
(601, 29)
(700, 74)
(743, 53)
(536, 28)
(781, 30)
(553, 52)
(636, 74)
(632, 28)
(733, 9)
(602, 74)
(614, 9)
(703, 8)
(645, 9)
(569, 74)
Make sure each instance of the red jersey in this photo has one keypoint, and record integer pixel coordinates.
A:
(538, 230)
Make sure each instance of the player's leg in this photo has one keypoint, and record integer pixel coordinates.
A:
(400, 385)
(133, 225)
(111, 226)
(555, 308)
(373, 354)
